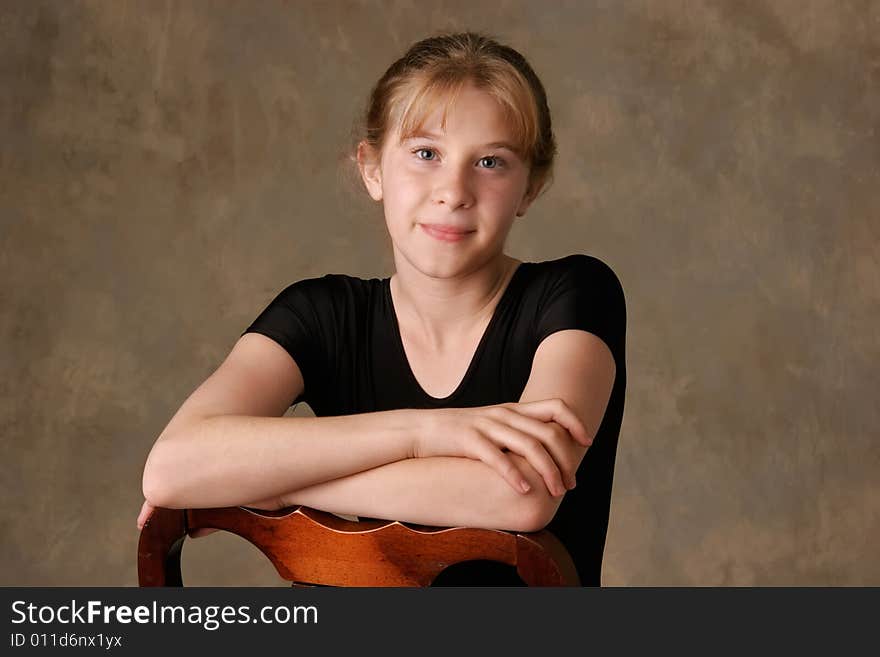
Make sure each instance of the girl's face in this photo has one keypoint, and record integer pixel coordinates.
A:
(450, 198)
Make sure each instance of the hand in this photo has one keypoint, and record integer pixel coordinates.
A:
(147, 510)
(536, 430)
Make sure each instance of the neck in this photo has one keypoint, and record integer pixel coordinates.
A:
(440, 311)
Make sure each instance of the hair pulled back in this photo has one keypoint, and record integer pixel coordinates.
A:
(431, 74)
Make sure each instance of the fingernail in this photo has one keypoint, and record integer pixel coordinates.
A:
(525, 486)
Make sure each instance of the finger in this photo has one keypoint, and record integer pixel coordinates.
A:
(144, 515)
(531, 449)
(549, 433)
(488, 453)
(558, 411)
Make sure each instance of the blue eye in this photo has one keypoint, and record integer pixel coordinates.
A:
(498, 162)
(419, 150)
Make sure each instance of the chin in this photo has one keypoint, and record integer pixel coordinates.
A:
(437, 266)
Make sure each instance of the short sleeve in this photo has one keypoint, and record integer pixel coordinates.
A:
(584, 293)
(292, 321)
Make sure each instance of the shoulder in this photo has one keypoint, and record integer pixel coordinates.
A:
(580, 291)
(310, 311)
(583, 263)
(314, 285)
(581, 270)
(323, 290)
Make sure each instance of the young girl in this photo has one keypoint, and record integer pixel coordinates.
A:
(469, 388)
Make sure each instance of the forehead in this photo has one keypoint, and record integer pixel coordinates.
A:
(466, 113)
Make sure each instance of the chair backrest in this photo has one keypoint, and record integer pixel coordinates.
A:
(310, 547)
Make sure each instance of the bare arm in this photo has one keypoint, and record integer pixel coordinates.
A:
(221, 449)
(447, 491)
(442, 491)
(231, 460)
(227, 444)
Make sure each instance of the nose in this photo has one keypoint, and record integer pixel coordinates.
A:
(453, 189)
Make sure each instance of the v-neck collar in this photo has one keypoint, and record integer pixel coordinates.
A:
(398, 340)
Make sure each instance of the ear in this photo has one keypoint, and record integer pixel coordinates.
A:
(530, 195)
(371, 170)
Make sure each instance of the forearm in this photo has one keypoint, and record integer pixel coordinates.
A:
(231, 460)
(440, 491)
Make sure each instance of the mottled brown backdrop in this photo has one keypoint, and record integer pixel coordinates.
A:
(167, 167)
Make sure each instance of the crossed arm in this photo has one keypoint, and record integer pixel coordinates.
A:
(571, 365)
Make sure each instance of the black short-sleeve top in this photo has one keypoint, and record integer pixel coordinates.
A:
(342, 331)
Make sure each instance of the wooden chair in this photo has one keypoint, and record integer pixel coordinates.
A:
(310, 547)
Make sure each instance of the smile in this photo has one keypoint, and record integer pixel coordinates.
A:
(445, 234)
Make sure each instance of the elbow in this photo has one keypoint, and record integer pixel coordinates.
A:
(156, 482)
(535, 509)
(523, 516)
(154, 493)
(154, 489)
(533, 522)
(538, 513)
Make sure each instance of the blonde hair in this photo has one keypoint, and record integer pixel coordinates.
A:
(432, 73)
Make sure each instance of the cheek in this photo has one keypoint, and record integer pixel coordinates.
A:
(502, 196)
(401, 190)
(399, 200)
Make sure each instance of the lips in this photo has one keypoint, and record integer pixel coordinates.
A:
(447, 228)
(445, 232)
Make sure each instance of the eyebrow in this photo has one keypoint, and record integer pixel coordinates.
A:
(421, 134)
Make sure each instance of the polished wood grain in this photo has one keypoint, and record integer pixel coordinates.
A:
(310, 547)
